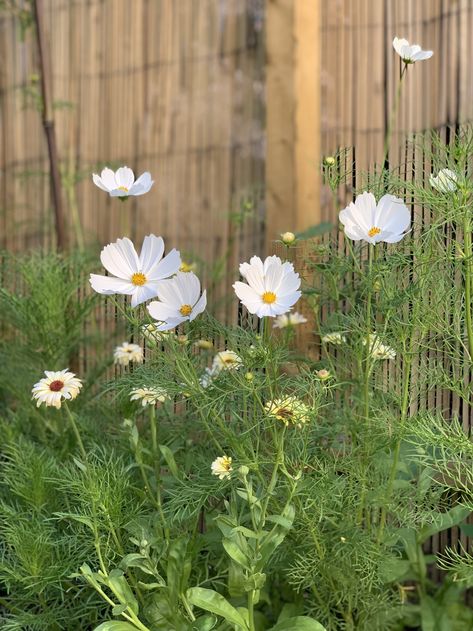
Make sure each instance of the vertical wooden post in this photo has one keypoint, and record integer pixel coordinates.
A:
(48, 124)
(293, 116)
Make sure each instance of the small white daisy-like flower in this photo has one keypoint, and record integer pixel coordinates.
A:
(334, 338)
(446, 181)
(410, 53)
(387, 221)
(290, 410)
(149, 396)
(222, 467)
(271, 288)
(56, 386)
(226, 360)
(288, 319)
(122, 183)
(127, 353)
(378, 350)
(179, 300)
(133, 275)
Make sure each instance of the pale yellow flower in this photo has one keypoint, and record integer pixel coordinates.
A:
(126, 353)
(378, 350)
(149, 395)
(290, 410)
(334, 338)
(205, 345)
(288, 319)
(222, 467)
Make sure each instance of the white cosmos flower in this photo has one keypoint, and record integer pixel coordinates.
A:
(126, 353)
(121, 183)
(446, 181)
(288, 319)
(179, 300)
(224, 360)
(378, 350)
(133, 275)
(410, 53)
(222, 467)
(56, 386)
(271, 288)
(385, 221)
(149, 396)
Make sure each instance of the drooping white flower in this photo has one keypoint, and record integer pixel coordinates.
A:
(179, 300)
(446, 181)
(126, 353)
(377, 349)
(121, 183)
(222, 467)
(271, 288)
(410, 53)
(385, 221)
(288, 319)
(56, 386)
(149, 396)
(334, 338)
(135, 275)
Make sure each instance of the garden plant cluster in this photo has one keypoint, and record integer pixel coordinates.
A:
(224, 480)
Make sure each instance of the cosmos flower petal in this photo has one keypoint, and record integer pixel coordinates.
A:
(142, 185)
(109, 285)
(143, 293)
(167, 267)
(120, 258)
(246, 293)
(124, 176)
(108, 179)
(152, 252)
(162, 311)
(273, 277)
(98, 182)
(255, 279)
(422, 55)
(199, 306)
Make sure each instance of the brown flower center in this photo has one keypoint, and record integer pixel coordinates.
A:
(56, 386)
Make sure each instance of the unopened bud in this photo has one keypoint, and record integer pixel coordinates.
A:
(323, 374)
(329, 161)
(288, 238)
(249, 376)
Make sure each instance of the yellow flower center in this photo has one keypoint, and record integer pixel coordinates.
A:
(186, 310)
(123, 188)
(186, 267)
(269, 297)
(374, 231)
(226, 463)
(138, 279)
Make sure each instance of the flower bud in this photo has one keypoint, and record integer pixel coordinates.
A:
(243, 470)
(249, 376)
(288, 238)
(323, 374)
(329, 161)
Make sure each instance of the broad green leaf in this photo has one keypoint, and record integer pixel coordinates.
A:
(204, 623)
(299, 623)
(393, 569)
(289, 610)
(118, 584)
(235, 553)
(178, 569)
(467, 529)
(169, 458)
(209, 600)
(115, 625)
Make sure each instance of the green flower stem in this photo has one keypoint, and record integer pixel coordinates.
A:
(407, 368)
(76, 432)
(157, 467)
(251, 616)
(367, 374)
(392, 118)
(467, 244)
